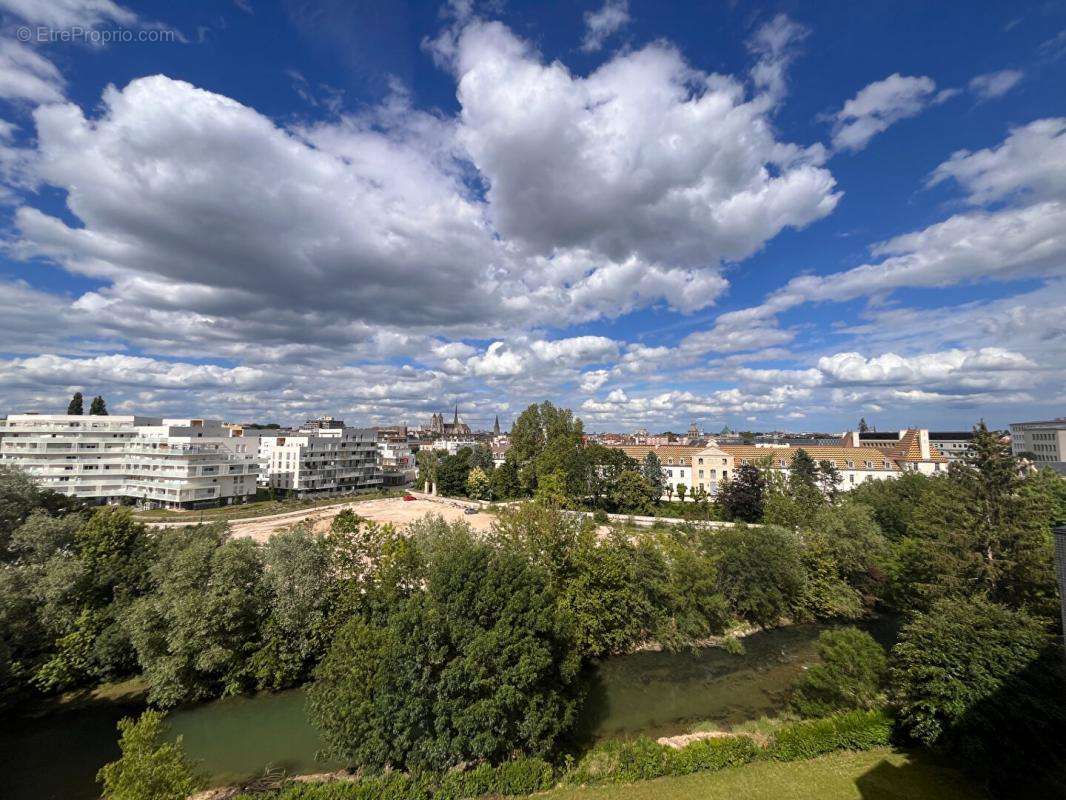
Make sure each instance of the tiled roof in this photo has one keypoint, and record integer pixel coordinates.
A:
(909, 449)
(838, 455)
(669, 454)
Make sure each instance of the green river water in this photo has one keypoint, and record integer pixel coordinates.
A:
(55, 756)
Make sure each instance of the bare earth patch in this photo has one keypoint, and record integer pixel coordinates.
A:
(392, 510)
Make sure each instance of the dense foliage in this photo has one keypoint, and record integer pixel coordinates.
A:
(149, 768)
(476, 666)
(851, 675)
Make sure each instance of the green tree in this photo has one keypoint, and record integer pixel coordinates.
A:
(551, 490)
(829, 479)
(957, 655)
(652, 470)
(863, 427)
(481, 457)
(893, 502)
(76, 405)
(478, 666)
(452, 473)
(632, 493)
(742, 497)
(427, 461)
(760, 572)
(98, 408)
(977, 531)
(505, 482)
(197, 632)
(149, 768)
(301, 587)
(682, 490)
(851, 675)
(478, 485)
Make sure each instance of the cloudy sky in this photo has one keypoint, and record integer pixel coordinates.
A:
(765, 217)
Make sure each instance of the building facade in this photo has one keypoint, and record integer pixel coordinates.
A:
(319, 461)
(855, 464)
(153, 462)
(909, 448)
(1044, 442)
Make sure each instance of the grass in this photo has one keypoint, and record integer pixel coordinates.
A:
(258, 508)
(879, 774)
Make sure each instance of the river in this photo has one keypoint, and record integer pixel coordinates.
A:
(56, 756)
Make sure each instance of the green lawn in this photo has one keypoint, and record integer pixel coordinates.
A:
(881, 774)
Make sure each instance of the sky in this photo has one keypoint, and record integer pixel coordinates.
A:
(781, 216)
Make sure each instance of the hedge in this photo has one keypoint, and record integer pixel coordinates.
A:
(854, 730)
(613, 761)
(519, 777)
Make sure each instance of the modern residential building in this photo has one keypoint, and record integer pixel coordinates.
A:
(397, 461)
(318, 461)
(156, 463)
(452, 446)
(909, 448)
(1042, 442)
(953, 445)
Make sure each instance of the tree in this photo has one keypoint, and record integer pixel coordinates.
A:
(481, 458)
(196, 633)
(76, 405)
(652, 470)
(632, 493)
(301, 587)
(681, 490)
(150, 768)
(851, 675)
(978, 531)
(669, 492)
(863, 427)
(829, 479)
(452, 473)
(477, 666)
(427, 462)
(742, 497)
(505, 482)
(759, 572)
(478, 486)
(98, 407)
(956, 656)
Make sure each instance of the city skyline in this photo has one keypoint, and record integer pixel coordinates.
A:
(762, 218)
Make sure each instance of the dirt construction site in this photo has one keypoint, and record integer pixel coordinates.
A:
(394, 510)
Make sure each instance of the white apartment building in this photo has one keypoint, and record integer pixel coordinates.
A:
(397, 461)
(320, 461)
(159, 463)
(1045, 441)
(690, 466)
(453, 446)
(855, 464)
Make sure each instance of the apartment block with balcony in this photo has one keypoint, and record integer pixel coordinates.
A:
(156, 463)
(320, 461)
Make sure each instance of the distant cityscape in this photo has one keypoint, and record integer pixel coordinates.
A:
(189, 463)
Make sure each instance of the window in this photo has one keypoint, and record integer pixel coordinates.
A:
(851, 464)
(701, 462)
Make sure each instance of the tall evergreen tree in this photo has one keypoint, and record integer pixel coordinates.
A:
(863, 427)
(98, 407)
(76, 405)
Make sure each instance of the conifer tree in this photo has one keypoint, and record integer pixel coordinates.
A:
(76, 406)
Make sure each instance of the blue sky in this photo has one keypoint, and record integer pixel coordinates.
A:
(770, 216)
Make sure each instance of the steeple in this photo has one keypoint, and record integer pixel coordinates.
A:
(455, 421)
(496, 426)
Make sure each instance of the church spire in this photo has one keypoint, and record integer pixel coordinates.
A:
(455, 421)
(496, 426)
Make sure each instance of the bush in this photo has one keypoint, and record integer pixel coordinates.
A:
(522, 776)
(149, 769)
(850, 675)
(855, 730)
(599, 516)
(708, 755)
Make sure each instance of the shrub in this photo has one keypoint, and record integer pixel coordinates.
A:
(713, 754)
(599, 516)
(149, 768)
(855, 730)
(850, 675)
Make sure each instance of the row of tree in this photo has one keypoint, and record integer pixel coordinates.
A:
(97, 408)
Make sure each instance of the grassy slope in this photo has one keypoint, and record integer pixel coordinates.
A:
(881, 774)
(258, 508)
